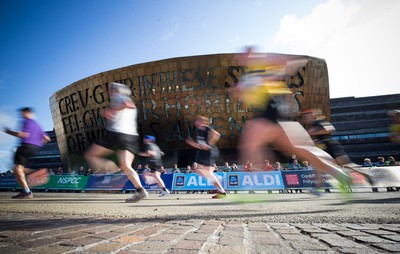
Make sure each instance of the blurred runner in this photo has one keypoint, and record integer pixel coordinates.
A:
(153, 153)
(122, 138)
(263, 87)
(207, 152)
(32, 139)
(321, 131)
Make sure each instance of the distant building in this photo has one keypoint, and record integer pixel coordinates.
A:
(49, 156)
(169, 94)
(362, 126)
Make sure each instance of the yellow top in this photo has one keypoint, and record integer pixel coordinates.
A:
(261, 81)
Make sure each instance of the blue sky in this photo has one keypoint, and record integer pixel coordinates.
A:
(48, 44)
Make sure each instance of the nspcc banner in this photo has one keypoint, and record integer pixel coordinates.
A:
(64, 182)
(255, 181)
(194, 181)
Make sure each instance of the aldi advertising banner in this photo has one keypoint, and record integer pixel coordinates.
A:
(194, 181)
(241, 181)
(270, 180)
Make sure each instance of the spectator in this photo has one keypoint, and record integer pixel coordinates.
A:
(163, 171)
(51, 172)
(189, 169)
(146, 169)
(380, 162)
(278, 166)
(81, 170)
(234, 168)
(248, 167)
(216, 168)
(139, 169)
(175, 169)
(59, 171)
(89, 171)
(367, 163)
(226, 168)
(294, 165)
(391, 161)
(307, 166)
(267, 166)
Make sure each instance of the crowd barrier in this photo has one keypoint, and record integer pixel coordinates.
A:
(239, 181)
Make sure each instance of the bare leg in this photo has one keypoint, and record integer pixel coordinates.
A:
(258, 133)
(19, 172)
(207, 172)
(157, 176)
(94, 155)
(261, 132)
(125, 159)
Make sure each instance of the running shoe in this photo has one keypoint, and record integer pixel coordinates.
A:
(344, 189)
(220, 195)
(164, 193)
(23, 195)
(138, 195)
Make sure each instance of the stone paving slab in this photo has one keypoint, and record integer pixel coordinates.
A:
(186, 224)
(40, 233)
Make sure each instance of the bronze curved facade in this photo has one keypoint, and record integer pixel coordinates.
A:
(169, 94)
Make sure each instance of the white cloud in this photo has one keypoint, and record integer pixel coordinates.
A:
(358, 39)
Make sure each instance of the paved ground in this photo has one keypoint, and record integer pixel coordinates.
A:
(194, 223)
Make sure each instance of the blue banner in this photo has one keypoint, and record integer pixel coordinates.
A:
(298, 179)
(149, 183)
(193, 181)
(8, 182)
(269, 180)
(107, 182)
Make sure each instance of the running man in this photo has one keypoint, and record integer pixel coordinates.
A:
(153, 153)
(122, 138)
(207, 152)
(32, 139)
(321, 131)
(263, 87)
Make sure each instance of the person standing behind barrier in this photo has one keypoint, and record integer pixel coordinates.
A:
(32, 139)
(267, 166)
(175, 169)
(207, 152)
(122, 138)
(153, 153)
